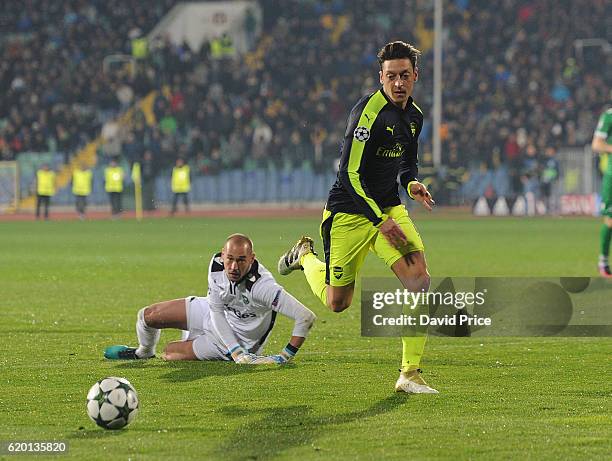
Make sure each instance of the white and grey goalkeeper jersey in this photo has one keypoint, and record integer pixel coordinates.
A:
(243, 313)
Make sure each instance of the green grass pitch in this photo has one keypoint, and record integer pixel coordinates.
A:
(68, 289)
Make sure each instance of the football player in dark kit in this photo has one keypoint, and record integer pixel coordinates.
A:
(364, 212)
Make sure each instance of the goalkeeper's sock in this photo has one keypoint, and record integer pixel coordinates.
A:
(314, 270)
(604, 240)
(148, 337)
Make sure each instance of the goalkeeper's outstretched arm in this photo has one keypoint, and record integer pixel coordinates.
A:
(304, 318)
(284, 303)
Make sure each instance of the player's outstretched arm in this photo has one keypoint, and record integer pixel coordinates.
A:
(225, 332)
(286, 355)
(304, 318)
(243, 357)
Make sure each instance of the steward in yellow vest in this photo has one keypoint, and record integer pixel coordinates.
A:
(139, 48)
(113, 177)
(181, 184)
(222, 47)
(45, 181)
(113, 184)
(81, 188)
(45, 189)
(81, 182)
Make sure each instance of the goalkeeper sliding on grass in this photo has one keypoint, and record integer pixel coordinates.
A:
(232, 323)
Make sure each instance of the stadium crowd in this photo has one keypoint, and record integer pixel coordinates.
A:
(55, 95)
(509, 100)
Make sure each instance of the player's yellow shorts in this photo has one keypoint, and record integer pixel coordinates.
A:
(347, 238)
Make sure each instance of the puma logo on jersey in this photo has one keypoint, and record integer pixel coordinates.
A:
(391, 129)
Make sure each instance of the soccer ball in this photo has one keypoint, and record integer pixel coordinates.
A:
(112, 403)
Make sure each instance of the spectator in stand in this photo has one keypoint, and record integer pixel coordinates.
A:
(149, 172)
(132, 148)
(56, 98)
(530, 172)
(548, 177)
(51, 54)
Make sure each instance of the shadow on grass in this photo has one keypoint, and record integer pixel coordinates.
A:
(97, 433)
(93, 432)
(184, 371)
(281, 429)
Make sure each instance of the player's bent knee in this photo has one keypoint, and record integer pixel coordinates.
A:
(147, 315)
(422, 277)
(426, 280)
(309, 319)
(339, 305)
(339, 298)
(151, 316)
(420, 270)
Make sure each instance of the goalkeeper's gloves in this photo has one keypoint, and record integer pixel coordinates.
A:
(285, 356)
(242, 357)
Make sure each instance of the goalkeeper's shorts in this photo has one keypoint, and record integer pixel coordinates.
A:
(206, 343)
(347, 238)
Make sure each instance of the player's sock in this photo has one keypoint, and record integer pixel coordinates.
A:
(147, 336)
(412, 351)
(413, 346)
(604, 240)
(314, 270)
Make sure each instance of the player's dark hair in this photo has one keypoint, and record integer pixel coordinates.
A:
(398, 50)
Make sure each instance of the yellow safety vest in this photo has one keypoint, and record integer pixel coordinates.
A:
(81, 182)
(180, 179)
(113, 177)
(139, 48)
(45, 183)
(227, 47)
(216, 48)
